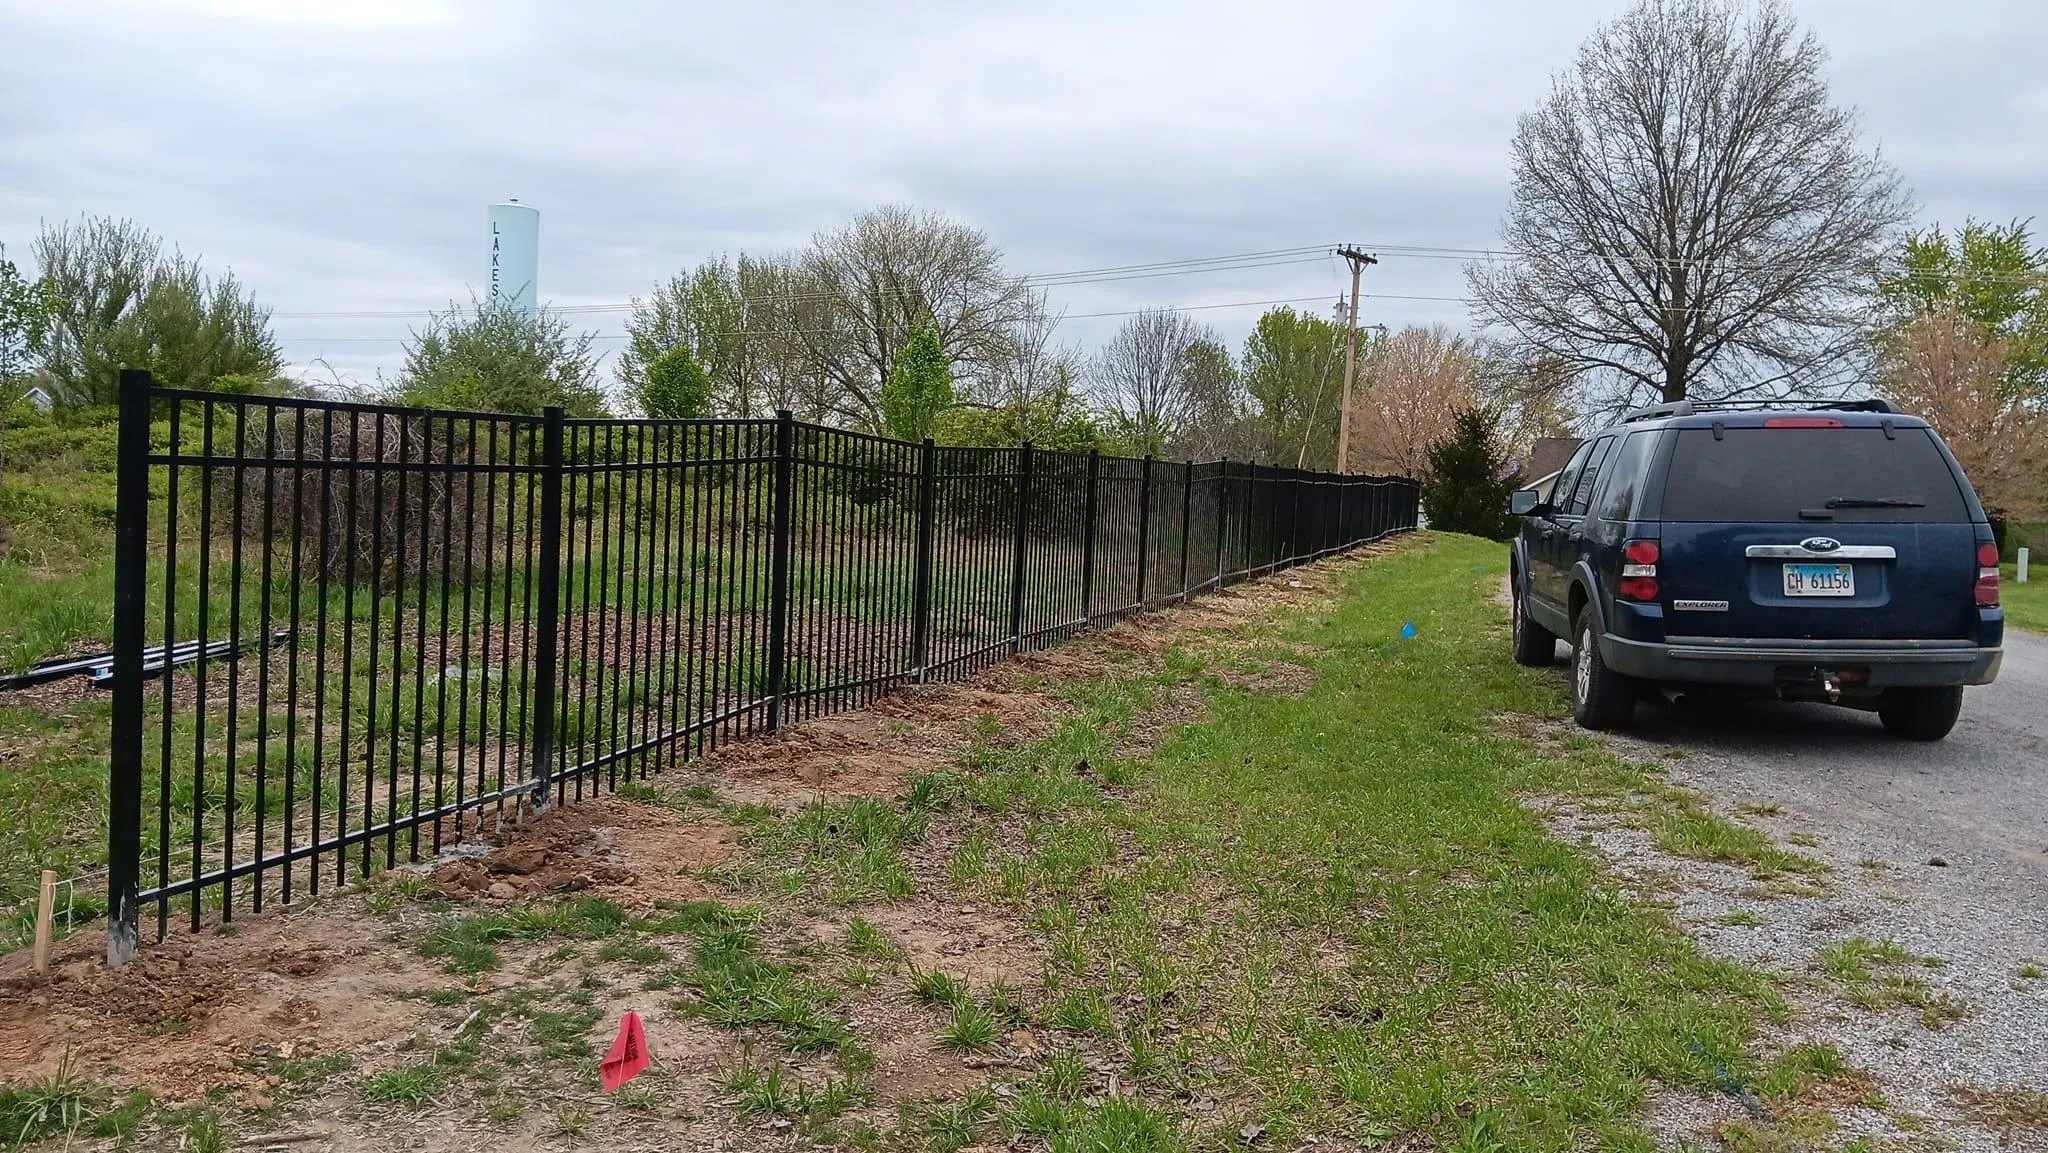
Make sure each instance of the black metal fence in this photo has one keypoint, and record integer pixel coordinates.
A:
(436, 617)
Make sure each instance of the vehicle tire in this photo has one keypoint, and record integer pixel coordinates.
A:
(1921, 714)
(1601, 697)
(1535, 646)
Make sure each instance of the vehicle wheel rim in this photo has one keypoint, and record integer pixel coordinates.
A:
(1582, 666)
(1517, 619)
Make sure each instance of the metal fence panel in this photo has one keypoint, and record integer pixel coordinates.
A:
(347, 634)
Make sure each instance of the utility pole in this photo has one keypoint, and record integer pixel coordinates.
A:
(1358, 262)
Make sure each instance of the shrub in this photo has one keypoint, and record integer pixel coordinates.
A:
(1469, 479)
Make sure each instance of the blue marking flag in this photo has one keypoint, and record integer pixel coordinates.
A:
(1408, 631)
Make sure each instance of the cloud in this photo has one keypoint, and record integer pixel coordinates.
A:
(339, 153)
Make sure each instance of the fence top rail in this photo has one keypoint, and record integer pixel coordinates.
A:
(670, 422)
(252, 400)
(244, 401)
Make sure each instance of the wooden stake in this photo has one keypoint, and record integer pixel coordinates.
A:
(46, 906)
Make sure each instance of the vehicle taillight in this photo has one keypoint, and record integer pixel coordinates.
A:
(1987, 575)
(1639, 570)
(1802, 422)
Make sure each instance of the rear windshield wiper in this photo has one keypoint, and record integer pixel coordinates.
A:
(1877, 502)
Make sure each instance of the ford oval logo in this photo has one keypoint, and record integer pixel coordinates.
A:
(1820, 544)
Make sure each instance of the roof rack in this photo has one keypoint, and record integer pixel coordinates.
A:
(1689, 407)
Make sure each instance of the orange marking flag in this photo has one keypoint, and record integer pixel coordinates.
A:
(627, 1056)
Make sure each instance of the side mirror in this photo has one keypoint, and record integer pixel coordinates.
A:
(1522, 501)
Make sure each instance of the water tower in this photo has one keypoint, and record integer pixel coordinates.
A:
(515, 257)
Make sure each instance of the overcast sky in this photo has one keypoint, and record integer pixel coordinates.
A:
(339, 154)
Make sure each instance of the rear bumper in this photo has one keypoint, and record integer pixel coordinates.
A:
(1723, 661)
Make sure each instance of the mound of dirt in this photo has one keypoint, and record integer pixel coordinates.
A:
(629, 851)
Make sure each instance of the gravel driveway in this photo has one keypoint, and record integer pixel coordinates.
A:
(1940, 848)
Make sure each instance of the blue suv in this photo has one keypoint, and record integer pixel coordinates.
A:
(1831, 553)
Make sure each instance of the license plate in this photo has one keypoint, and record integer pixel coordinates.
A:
(1820, 580)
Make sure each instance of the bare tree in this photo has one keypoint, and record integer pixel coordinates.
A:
(1416, 383)
(1691, 214)
(865, 289)
(1531, 394)
(1954, 372)
(1032, 375)
(1219, 421)
(1142, 377)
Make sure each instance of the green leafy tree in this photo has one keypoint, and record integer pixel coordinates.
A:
(1469, 479)
(675, 385)
(1990, 275)
(1056, 420)
(1293, 367)
(919, 388)
(738, 319)
(500, 359)
(24, 322)
(116, 300)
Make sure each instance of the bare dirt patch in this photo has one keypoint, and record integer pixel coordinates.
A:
(198, 1012)
(979, 945)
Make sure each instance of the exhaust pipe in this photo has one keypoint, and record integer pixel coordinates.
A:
(1673, 694)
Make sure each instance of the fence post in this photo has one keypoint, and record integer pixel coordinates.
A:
(1187, 505)
(1222, 500)
(778, 567)
(1088, 516)
(1144, 527)
(1024, 455)
(921, 588)
(1251, 514)
(1295, 553)
(550, 597)
(131, 578)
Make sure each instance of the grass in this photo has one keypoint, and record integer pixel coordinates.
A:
(973, 1027)
(2026, 605)
(839, 852)
(936, 988)
(1336, 909)
(60, 1104)
(1877, 975)
(468, 943)
(731, 982)
(413, 1085)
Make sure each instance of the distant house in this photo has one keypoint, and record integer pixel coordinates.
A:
(40, 398)
(1549, 454)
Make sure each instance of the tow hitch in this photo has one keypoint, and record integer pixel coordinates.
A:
(1811, 683)
(1831, 685)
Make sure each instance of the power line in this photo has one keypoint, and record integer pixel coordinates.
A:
(1244, 261)
(1230, 262)
(827, 331)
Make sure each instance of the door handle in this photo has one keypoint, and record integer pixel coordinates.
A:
(1575, 536)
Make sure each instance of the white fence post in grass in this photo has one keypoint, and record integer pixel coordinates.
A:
(2023, 566)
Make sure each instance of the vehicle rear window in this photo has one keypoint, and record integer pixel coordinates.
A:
(1775, 474)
